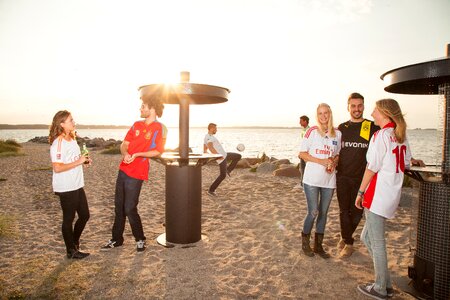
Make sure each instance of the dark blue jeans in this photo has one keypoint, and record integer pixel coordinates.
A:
(73, 202)
(224, 169)
(125, 202)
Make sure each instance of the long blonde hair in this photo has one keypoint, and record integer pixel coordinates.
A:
(56, 129)
(330, 127)
(391, 109)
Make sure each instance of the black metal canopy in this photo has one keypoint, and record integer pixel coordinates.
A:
(195, 93)
(418, 79)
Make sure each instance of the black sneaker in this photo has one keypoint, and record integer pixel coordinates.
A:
(110, 245)
(140, 245)
(368, 290)
(77, 255)
(390, 292)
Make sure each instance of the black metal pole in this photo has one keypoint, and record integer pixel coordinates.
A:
(445, 92)
(184, 128)
(184, 120)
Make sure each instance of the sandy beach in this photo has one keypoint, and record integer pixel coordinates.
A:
(252, 249)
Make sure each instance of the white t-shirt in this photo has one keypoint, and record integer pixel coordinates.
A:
(209, 138)
(320, 147)
(388, 159)
(62, 151)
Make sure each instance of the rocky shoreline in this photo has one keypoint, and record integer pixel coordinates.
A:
(263, 165)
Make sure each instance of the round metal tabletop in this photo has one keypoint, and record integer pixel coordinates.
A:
(418, 79)
(194, 92)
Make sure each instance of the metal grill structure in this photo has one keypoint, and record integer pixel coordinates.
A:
(430, 273)
(184, 169)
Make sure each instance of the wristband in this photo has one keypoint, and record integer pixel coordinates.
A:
(360, 193)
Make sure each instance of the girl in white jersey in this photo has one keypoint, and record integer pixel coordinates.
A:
(320, 149)
(68, 181)
(379, 193)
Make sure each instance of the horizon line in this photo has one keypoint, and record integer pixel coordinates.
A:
(92, 126)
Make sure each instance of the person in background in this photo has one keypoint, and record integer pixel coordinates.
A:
(379, 193)
(68, 180)
(356, 134)
(320, 149)
(304, 126)
(144, 140)
(212, 144)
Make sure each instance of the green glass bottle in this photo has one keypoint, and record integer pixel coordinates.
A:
(85, 152)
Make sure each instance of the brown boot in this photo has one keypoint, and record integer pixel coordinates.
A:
(347, 251)
(340, 245)
(305, 245)
(318, 239)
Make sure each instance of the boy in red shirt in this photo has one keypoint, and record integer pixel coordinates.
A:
(143, 141)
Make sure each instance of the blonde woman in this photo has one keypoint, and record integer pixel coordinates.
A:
(379, 193)
(68, 180)
(320, 150)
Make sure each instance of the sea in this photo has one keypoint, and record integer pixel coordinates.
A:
(426, 144)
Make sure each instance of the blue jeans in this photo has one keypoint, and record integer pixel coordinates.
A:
(373, 237)
(125, 202)
(318, 200)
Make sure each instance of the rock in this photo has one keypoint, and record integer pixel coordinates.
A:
(289, 171)
(282, 162)
(266, 167)
(39, 139)
(282, 166)
(96, 143)
(253, 160)
(243, 163)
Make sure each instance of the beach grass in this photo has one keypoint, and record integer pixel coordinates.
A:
(111, 150)
(10, 148)
(6, 225)
(48, 168)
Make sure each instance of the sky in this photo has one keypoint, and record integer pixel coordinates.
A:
(279, 58)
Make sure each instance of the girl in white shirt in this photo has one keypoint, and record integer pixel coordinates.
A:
(68, 181)
(379, 193)
(320, 149)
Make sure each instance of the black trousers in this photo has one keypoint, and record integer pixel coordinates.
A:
(126, 201)
(73, 202)
(349, 214)
(224, 169)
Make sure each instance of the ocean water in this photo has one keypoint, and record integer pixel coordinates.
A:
(276, 142)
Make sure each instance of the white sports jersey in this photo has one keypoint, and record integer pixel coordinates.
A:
(320, 147)
(209, 138)
(388, 159)
(62, 151)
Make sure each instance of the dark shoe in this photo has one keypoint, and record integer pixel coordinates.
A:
(75, 254)
(110, 245)
(318, 239)
(140, 246)
(305, 245)
(368, 290)
(390, 292)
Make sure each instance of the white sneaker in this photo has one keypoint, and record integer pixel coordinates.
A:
(298, 186)
(140, 246)
(212, 194)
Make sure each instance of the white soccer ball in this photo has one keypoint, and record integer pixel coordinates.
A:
(240, 147)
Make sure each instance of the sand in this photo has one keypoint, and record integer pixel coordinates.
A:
(252, 250)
